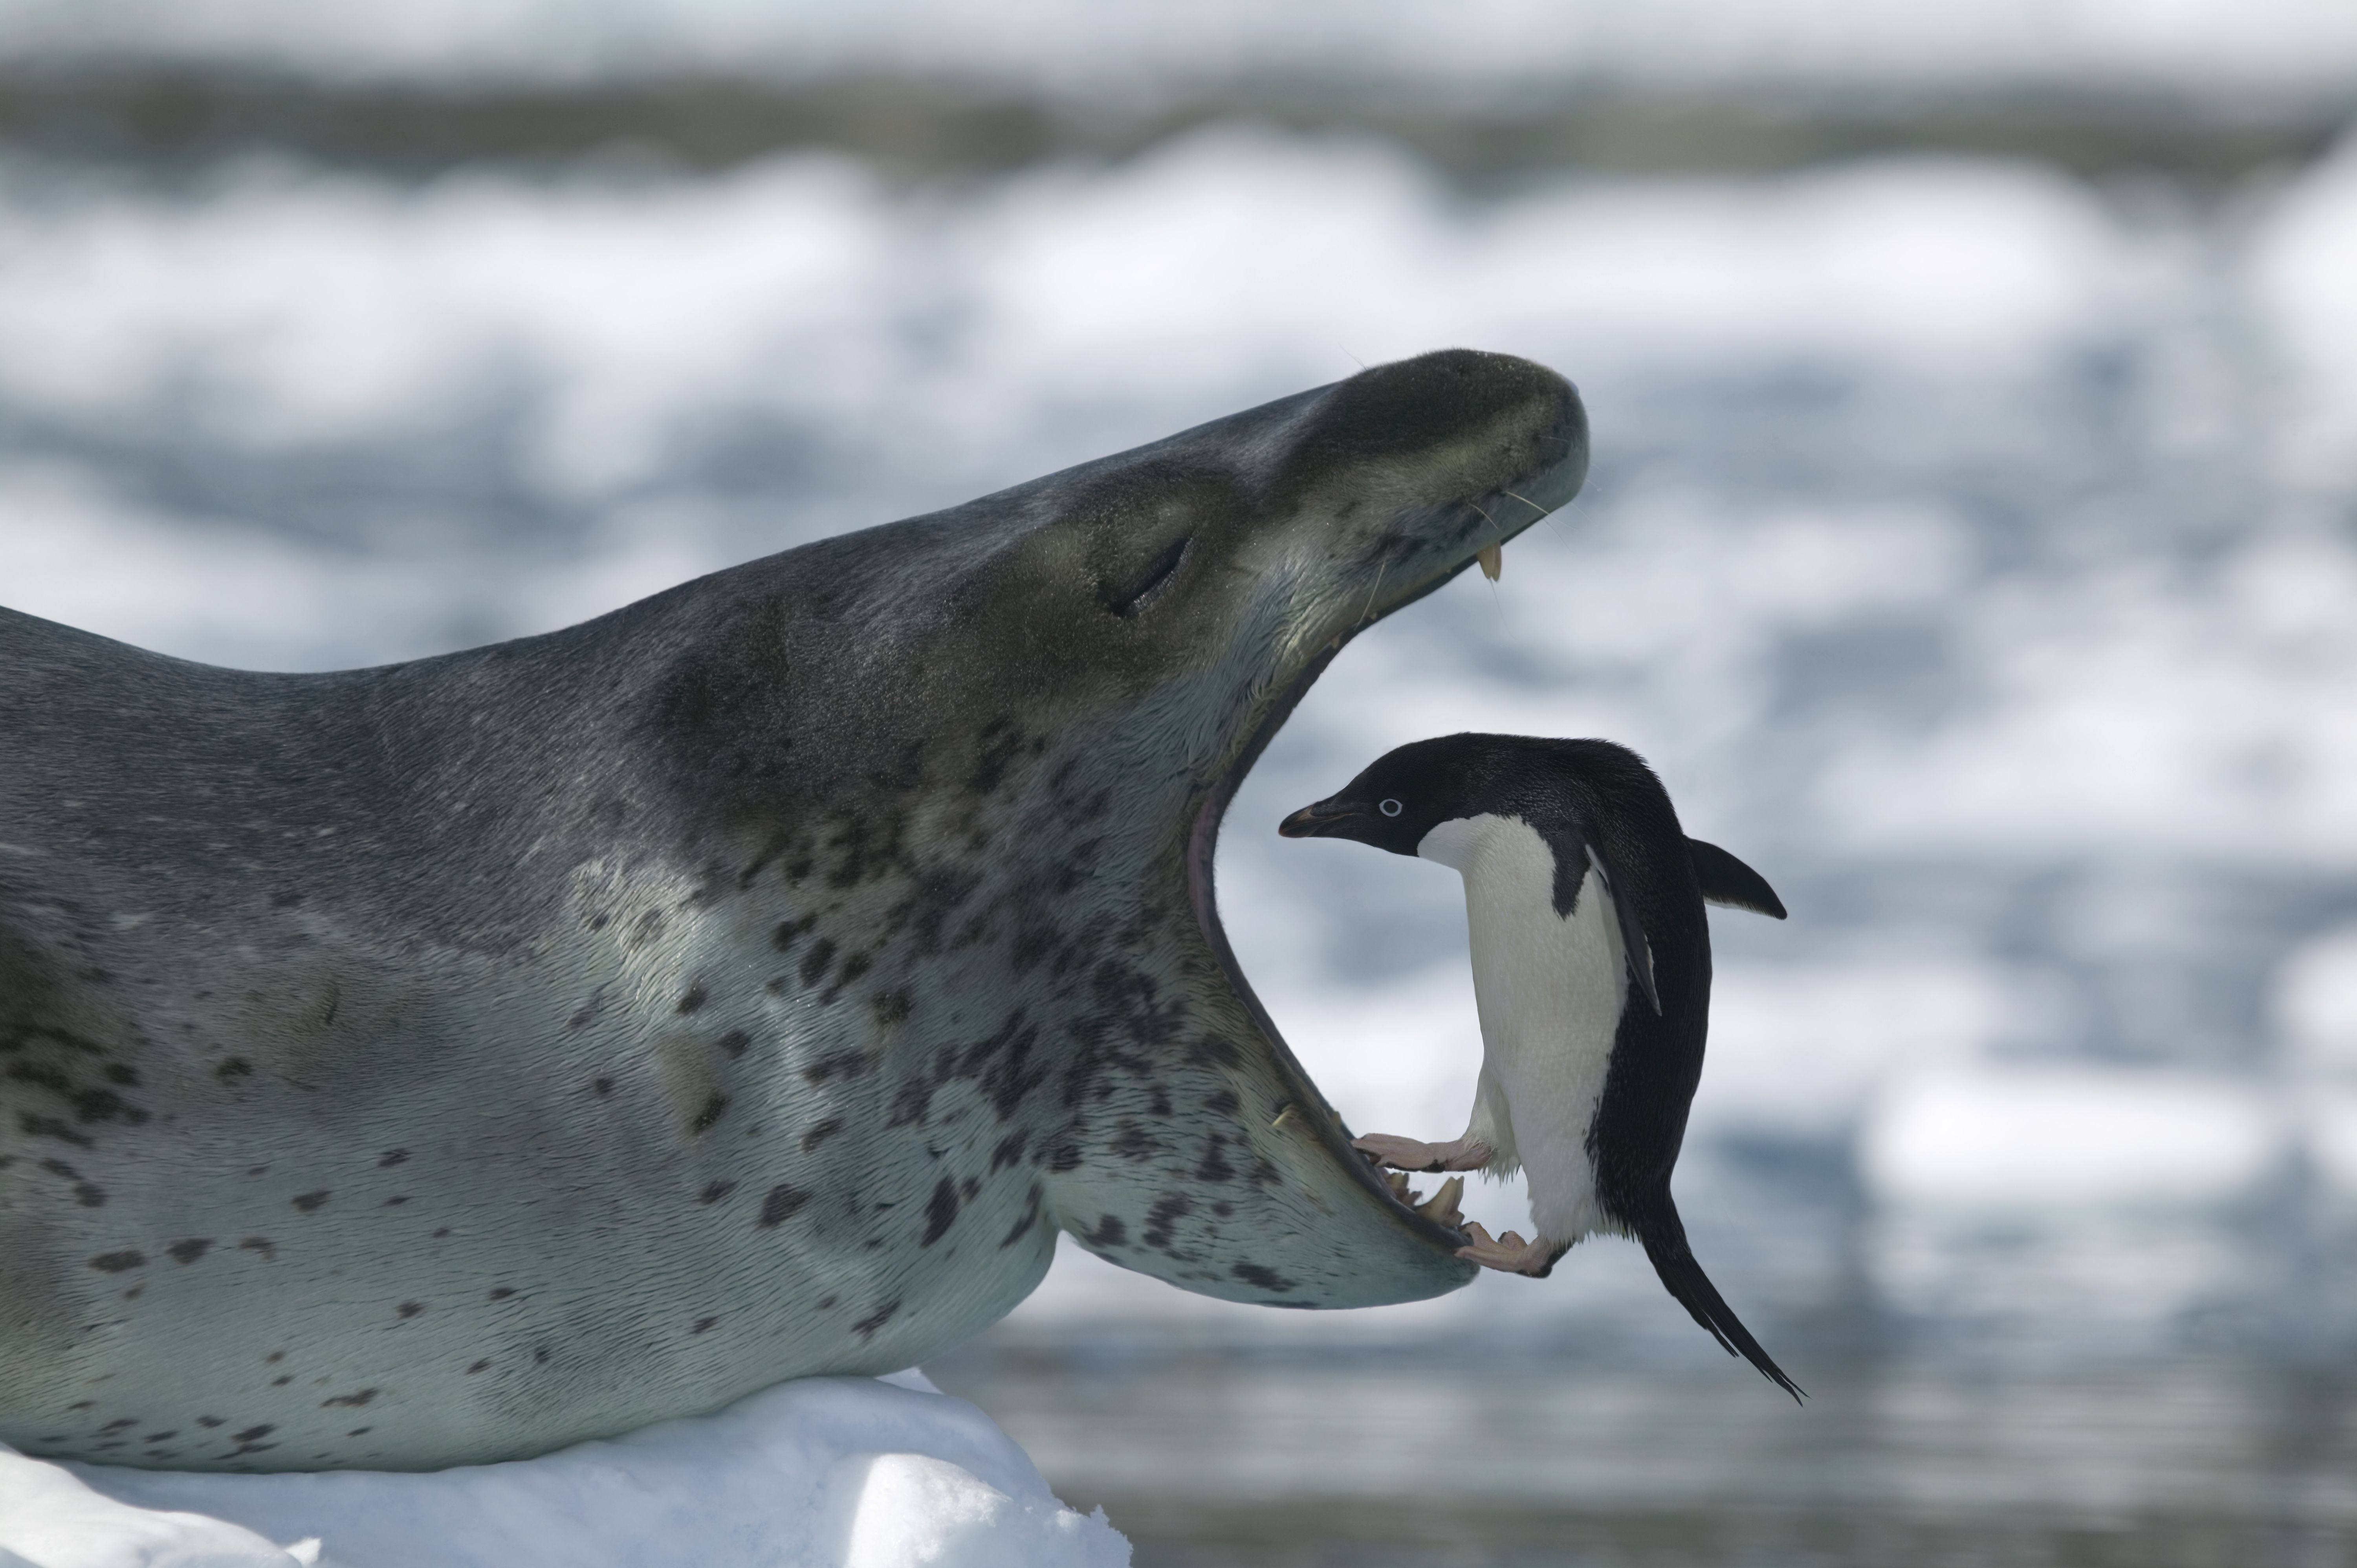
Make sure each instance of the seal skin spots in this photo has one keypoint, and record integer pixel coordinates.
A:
(350, 1402)
(391, 1158)
(1023, 1226)
(116, 1263)
(500, 1292)
(703, 1324)
(714, 1108)
(188, 1251)
(33, 1126)
(941, 1212)
(411, 1308)
(1264, 1278)
(815, 963)
(693, 1000)
(928, 813)
(840, 1064)
(1159, 1220)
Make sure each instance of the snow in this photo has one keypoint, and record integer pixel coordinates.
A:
(840, 1472)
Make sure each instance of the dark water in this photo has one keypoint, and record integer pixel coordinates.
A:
(1374, 1466)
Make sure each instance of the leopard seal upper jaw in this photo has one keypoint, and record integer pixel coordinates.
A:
(444, 1062)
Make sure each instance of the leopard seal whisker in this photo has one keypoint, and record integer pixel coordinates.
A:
(445, 1062)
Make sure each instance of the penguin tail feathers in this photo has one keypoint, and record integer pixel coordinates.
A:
(1683, 1278)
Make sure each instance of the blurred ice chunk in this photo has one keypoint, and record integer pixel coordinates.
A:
(2000, 1138)
(2303, 286)
(1801, 1048)
(2315, 1003)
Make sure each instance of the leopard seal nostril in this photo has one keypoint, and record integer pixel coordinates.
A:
(532, 1042)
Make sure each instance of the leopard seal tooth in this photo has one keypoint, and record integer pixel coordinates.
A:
(445, 1062)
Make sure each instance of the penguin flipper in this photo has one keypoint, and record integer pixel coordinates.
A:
(1726, 880)
(1632, 932)
(1683, 1277)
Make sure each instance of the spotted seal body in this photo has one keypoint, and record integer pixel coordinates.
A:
(444, 1062)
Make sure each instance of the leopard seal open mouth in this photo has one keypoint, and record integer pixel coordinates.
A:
(444, 1062)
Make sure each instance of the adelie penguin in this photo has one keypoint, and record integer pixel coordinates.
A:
(1591, 968)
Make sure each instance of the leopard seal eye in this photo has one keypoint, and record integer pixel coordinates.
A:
(1127, 600)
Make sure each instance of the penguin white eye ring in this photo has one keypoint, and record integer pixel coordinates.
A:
(1391, 808)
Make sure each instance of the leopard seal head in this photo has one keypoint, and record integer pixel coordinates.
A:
(444, 1062)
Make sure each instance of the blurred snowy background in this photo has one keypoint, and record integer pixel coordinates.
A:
(1972, 545)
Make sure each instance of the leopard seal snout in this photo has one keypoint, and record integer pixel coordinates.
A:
(444, 1062)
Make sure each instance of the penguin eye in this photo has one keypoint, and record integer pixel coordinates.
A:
(1389, 808)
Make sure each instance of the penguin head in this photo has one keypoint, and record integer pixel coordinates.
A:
(1404, 794)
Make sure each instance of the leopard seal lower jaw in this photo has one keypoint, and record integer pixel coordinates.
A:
(446, 1062)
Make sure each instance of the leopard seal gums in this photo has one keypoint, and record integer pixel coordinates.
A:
(444, 1062)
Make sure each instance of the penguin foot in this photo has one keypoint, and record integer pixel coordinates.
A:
(1407, 1154)
(1510, 1254)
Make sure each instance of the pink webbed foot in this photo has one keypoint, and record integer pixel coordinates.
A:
(1407, 1154)
(1510, 1254)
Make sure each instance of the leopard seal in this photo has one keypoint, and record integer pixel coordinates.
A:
(445, 1062)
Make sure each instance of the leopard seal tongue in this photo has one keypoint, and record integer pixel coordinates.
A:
(444, 1062)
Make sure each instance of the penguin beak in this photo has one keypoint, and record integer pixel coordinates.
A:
(1321, 820)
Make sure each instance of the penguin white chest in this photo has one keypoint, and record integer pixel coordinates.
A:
(1550, 989)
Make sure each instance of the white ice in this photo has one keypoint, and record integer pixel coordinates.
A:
(825, 1472)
